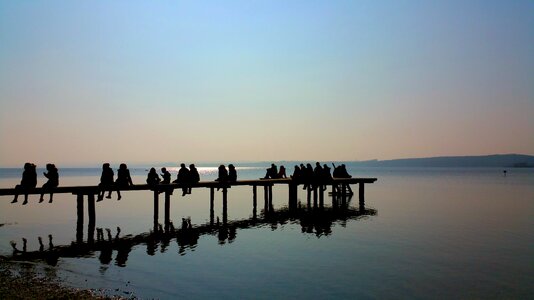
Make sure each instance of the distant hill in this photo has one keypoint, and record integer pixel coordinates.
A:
(498, 160)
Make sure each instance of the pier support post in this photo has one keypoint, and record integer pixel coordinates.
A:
(92, 218)
(79, 219)
(266, 198)
(361, 191)
(321, 197)
(212, 212)
(254, 201)
(156, 210)
(270, 197)
(308, 196)
(167, 210)
(344, 190)
(293, 195)
(225, 205)
(315, 195)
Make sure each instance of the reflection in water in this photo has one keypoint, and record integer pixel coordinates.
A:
(313, 218)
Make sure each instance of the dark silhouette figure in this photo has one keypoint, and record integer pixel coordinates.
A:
(297, 175)
(106, 181)
(232, 173)
(307, 176)
(282, 172)
(29, 181)
(152, 178)
(52, 183)
(183, 179)
(341, 172)
(123, 179)
(194, 176)
(223, 174)
(166, 176)
(272, 172)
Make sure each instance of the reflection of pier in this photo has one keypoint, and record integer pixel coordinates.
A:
(313, 219)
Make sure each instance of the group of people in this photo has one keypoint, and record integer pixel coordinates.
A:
(29, 181)
(303, 174)
(308, 175)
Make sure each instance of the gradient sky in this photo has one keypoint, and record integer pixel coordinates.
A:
(83, 82)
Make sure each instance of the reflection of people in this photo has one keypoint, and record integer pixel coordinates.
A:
(106, 181)
(53, 181)
(29, 181)
(152, 178)
(123, 179)
(232, 173)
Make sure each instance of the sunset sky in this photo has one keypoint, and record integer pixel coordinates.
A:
(84, 82)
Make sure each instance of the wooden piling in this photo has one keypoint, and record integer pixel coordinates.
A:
(362, 192)
(225, 205)
(156, 208)
(254, 201)
(79, 219)
(167, 209)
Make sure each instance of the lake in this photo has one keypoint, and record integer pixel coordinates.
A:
(423, 233)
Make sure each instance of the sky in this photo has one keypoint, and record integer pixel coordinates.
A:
(86, 82)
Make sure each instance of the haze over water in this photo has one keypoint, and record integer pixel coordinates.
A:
(451, 233)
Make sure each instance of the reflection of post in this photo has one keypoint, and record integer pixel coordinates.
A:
(156, 209)
(308, 196)
(212, 213)
(343, 190)
(254, 201)
(92, 218)
(79, 221)
(225, 205)
(167, 209)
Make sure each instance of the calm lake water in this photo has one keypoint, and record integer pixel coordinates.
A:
(423, 233)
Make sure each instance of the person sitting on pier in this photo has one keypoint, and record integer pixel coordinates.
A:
(326, 177)
(29, 181)
(183, 178)
(123, 179)
(341, 172)
(297, 176)
(223, 174)
(194, 176)
(282, 172)
(271, 173)
(232, 173)
(307, 176)
(106, 181)
(52, 183)
(152, 177)
(166, 176)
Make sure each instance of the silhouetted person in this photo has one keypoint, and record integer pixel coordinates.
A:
(183, 178)
(232, 173)
(271, 172)
(297, 174)
(106, 181)
(123, 179)
(29, 181)
(194, 176)
(341, 172)
(281, 173)
(152, 178)
(307, 173)
(52, 183)
(223, 174)
(166, 176)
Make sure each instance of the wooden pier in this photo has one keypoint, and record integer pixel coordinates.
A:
(338, 188)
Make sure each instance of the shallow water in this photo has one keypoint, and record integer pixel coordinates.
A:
(424, 233)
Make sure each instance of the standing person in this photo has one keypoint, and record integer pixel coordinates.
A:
(232, 173)
(52, 183)
(166, 176)
(106, 181)
(123, 179)
(29, 181)
(152, 178)
(194, 176)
